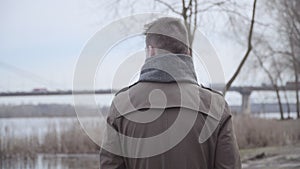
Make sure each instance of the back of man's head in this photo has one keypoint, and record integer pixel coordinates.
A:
(168, 34)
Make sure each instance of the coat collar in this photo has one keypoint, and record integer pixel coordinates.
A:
(169, 68)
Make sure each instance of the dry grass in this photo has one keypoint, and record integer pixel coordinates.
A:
(71, 139)
(256, 132)
(251, 132)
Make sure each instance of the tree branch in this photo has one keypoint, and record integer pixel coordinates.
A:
(229, 83)
(169, 6)
(210, 6)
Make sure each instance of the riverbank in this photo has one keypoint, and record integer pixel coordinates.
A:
(284, 157)
(65, 135)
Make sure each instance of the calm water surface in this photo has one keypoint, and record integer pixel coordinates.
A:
(51, 161)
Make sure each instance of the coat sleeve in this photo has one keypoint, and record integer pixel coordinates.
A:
(109, 160)
(227, 151)
(111, 141)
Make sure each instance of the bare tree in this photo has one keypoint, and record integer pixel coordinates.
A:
(247, 53)
(281, 80)
(189, 11)
(273, 77)
(288, 16)
(278, 54)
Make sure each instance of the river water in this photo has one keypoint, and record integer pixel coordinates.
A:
(52, 161)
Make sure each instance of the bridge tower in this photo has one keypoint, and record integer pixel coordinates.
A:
(246, 105)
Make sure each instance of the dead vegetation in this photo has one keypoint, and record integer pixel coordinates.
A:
(250, 132)
(254, 132)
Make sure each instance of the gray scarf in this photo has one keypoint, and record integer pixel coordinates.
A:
(169, 68)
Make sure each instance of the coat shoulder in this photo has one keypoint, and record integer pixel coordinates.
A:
(212, 90)
(125, 88)
(218, 106)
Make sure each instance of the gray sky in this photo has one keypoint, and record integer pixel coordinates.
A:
(41, 40)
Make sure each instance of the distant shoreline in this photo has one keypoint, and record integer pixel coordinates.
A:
(68, 110)
(46, 110)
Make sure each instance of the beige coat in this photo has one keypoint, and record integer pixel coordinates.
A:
(200, 108)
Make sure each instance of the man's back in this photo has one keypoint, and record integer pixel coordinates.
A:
(177, 122)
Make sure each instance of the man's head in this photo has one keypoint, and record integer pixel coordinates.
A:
(166, 35)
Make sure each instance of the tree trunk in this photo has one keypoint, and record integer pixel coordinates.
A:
(279, 102)
(295, 65)
(287, 104)
(297, 91)
(273, 82)
(286, 97)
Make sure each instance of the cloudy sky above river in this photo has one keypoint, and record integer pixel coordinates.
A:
(41, 40)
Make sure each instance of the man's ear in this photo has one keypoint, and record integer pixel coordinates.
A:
(189, 52)
(150, 51)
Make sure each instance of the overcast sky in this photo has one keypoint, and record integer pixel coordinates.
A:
(40, 41)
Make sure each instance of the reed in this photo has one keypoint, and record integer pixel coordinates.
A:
(254, 132)
(251, 132)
